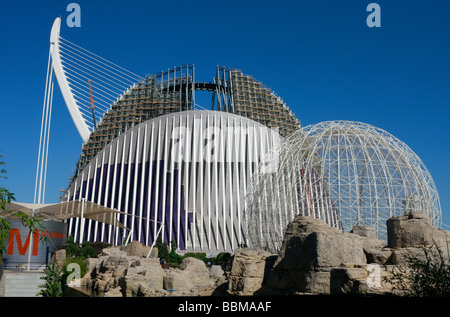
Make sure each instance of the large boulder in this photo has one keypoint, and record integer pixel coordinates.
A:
(356, 279)
(309, 251)
(248, 270)
(136, 248)
(147, 274)
(193, 274)
(58, 257)
(414, 230)
(376, 250)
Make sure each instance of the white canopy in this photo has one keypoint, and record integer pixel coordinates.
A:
(70, 209)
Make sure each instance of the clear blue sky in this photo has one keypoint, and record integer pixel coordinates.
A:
(320, 56)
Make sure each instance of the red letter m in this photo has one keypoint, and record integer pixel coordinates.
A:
(15, 233)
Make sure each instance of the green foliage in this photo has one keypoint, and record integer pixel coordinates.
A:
(163, 252)
(87, 250)
(53, 282)
(80, 261)
(197, 255)
(174, 259)
(222, 258)
(73, 250)
(427, 276)
(6, 197)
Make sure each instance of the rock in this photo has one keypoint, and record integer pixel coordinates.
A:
(216, 272)
(309, 250)
(110, 250)
(374, 248)
(113, 292)
(369, 279)
(317, 282)
(365, 231)
(110, 263)
(193, 274)
(136, 248)
(414, 230)
(120, 271)
(312, 243)
(175, 279)
(58, 257)
(99, 246)
(193, 264)
(377, 256)
(147, 275)
(401, 256)
(248, 270)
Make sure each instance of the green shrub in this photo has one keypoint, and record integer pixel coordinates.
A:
(423, 277)
(53, 286)
(222, 258)
(173, 259)
(80, 261)
(72, 249)
(85, 250)
(163, 252)
(197, 255)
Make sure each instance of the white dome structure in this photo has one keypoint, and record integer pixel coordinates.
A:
(180, 176)
(346, 173)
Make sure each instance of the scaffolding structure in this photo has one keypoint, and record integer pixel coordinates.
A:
(255, 101)
(174, 90)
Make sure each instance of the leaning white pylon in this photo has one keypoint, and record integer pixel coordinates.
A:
(69, 99)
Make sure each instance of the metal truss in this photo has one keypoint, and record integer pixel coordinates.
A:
(346, 173)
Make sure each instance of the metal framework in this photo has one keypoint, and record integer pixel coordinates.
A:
(174, 90)
(346, 173)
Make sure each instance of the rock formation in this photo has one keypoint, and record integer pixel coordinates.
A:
(126, 272)
(314, 258)
(249, 268)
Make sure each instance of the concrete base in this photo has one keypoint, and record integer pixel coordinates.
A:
(20, 283)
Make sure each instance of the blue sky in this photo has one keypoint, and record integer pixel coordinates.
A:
(319, 56)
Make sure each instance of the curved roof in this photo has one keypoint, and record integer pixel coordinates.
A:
(185, 172)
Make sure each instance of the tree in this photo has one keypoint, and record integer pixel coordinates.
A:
(163, 252)
(6, 197)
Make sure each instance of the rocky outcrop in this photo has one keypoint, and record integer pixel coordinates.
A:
(135, 248)
(310, 250)
(249, 267)
(126, 272)
(192, 275)
(315, 258)
(415, 230)
(58, 257)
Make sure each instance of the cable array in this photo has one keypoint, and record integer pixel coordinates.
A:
(83, 68)
(41, 169)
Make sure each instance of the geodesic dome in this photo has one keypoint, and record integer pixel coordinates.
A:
(346, 173)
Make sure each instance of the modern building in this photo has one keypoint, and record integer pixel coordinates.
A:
(214, 177)
(182, 176)
(179, 170)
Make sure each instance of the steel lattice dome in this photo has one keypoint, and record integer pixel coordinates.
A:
(346, 173)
